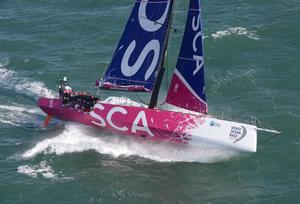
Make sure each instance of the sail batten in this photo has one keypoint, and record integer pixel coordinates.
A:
(136, 61)
(187, 89)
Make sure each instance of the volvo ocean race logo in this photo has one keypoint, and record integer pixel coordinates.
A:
(237, 133)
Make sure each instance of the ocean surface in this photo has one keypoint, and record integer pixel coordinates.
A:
(252, 69)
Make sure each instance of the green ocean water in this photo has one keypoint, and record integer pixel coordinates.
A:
(252, 69)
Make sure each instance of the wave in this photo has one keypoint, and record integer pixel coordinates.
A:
(42, 169)
(18, 115)
(12, 80)
(230, 76)
(5, 17)
(77, 138)
(25, 109)
(235, 31)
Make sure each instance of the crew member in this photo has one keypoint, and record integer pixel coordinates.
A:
(63, 85)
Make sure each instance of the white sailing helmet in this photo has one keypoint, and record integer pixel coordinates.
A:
(65, 79)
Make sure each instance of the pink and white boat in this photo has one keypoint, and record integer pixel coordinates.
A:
(138, 65)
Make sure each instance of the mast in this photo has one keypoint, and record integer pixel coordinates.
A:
(158, 81)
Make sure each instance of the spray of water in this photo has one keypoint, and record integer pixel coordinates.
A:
(43, 169)
(77, 138)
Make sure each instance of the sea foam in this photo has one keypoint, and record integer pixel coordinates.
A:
(78, 138)
(42, 169)
(235, 31)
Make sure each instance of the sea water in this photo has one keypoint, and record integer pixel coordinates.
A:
(252, 69)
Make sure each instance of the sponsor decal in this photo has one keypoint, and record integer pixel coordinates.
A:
(140, 122)
(237, 133)
(196, 25)
(214, 124)
(152, 46)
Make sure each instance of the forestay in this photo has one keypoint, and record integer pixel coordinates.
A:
(135, 63)
(187, 88)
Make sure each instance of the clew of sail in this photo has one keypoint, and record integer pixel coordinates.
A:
(187, 89)
(136, 61)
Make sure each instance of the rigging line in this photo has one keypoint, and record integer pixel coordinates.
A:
(267, 139)
(157, 84)
(75, 44)
(99, 92)
(169, 53)
(64, 71)
(238, 114)
(264, 124)
(166, 25)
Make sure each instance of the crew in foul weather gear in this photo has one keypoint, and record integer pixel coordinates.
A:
(79, 101)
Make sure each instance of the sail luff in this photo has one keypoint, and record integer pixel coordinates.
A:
(157, 85)
(187, 89)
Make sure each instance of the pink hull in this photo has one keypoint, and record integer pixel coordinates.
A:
(153, 124)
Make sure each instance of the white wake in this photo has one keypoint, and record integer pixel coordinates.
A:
(77, 138)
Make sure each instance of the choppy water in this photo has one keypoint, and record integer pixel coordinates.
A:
(252, 69)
